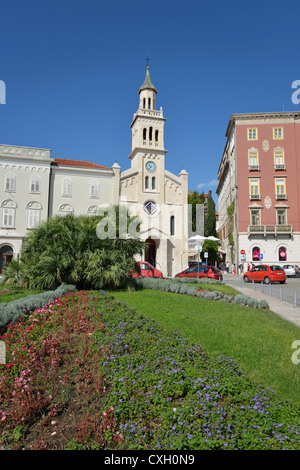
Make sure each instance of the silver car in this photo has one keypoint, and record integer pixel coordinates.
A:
(291, 270)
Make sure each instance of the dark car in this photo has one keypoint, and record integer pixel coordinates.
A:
(265, 273)
(200, 271)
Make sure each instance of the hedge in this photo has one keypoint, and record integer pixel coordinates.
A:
(12, 311)
(179, 287)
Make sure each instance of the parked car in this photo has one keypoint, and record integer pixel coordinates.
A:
(147, 270)
(291, 270)
(265, 273)
(201, 271)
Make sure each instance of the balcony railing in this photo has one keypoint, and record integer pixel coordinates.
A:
(280, 196)
(270, 229)
(253, 167)
(254, 197)
(279, 167)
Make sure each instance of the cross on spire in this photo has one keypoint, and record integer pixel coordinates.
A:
(147, 59)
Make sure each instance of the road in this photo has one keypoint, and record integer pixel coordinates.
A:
(288, 292)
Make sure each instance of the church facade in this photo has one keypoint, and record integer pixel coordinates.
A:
(34, 186)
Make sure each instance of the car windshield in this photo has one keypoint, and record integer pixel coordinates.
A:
(275, 268)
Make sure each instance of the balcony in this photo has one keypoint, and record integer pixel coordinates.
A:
(279, 167)
(281, 197)
(270, 230)
(254, 168)
(255, 197)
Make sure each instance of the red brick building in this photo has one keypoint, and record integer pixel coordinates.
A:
(259, 188)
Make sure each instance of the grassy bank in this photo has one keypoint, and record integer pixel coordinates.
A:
(258, 340)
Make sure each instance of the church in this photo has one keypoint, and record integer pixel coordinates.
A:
(34, 186)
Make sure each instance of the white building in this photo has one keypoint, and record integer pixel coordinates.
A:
(34, 186)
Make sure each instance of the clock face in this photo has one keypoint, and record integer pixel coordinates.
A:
(150, 166)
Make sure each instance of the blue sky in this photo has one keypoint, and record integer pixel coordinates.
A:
(72, 70)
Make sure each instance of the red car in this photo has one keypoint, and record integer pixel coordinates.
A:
(147, 270)
(201, 272)
(266, 274)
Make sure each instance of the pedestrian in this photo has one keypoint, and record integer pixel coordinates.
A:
(234, 270)
(227, 266)
(248, 267)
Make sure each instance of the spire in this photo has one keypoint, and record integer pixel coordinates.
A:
(147, 83)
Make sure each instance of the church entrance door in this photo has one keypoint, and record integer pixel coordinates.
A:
(150, 252)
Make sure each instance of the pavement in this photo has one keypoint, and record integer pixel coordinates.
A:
(282, 308)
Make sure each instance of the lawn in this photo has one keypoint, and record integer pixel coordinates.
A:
(10, 294)
(258, 340)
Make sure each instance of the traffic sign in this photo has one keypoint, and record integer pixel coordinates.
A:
(260, 256)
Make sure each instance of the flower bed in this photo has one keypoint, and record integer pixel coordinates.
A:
(87, 372)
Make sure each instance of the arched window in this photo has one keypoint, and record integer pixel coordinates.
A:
(8, 213)
(150, 133)
(34, 214)
(144, 103)
(144, 133)
(35, 184)
(255, 253)
(65, 209)
(147, 182)
(10, 182)
(172, 225)
(156, 135)
(282, 254)
(94, 189)
(67, 187)
(153, 182)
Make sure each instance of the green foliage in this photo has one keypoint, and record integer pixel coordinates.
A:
(68, 250)
(211, 248)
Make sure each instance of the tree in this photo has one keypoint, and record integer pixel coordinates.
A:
(68, 250)
(211, 248)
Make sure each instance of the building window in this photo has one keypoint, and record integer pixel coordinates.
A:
(10, 182)
(35, 184)
(95, 189)
(280, 191)
(144, 133)
(153, 182)
(252, 134)
(149, 103)
(67, 187)
(255, 253)
(150, 133)
(255, 216)
(34, 217)
(253, 160)
(282, 254)
(254, 189)
(150, 208)
(281, 216)
(277, 133)
(144, 103)
(8, 217)
(65, 210)
(279, 160)
(147, 182)
(172, 225)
